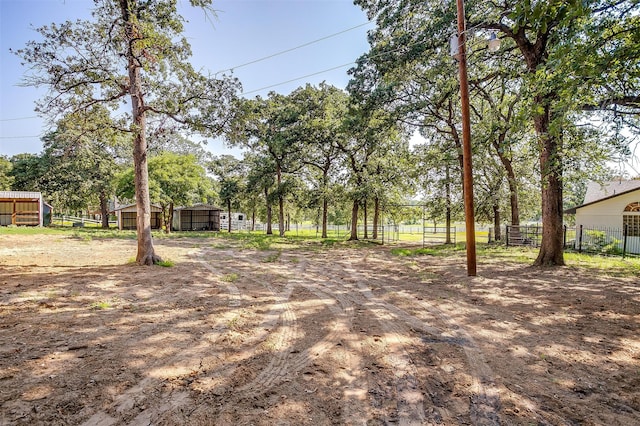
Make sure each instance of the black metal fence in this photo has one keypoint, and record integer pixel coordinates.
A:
(603, 241)
(608, 241)
(527, 235)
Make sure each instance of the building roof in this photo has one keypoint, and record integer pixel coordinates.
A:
(20, 194)
(597, 192)
(199, 206)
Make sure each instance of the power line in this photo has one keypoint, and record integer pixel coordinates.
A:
(334, 68)
(298, 78)
(293, 48)
(19, 118)
(19, 137)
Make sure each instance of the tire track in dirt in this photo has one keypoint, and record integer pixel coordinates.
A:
(138, 394)
(281, 317)
(485, 400)
(232, 290)
(355, 409)
(408, 396)
(483, 376)
(355, 391)
(285, 362)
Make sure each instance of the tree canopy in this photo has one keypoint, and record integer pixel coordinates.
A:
(130, 53)
(561, 58)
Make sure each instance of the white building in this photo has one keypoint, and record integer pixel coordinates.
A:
(238, 221)
(612, 206)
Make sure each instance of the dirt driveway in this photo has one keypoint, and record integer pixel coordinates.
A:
(332, 336)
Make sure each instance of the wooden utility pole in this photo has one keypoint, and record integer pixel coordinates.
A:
(467, 174)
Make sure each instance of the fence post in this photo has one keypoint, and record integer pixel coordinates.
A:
(580, 240)
(624, 241)
(564, 237)
(506, 234)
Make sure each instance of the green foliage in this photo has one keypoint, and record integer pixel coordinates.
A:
(230, 278)
(231, 180)
(415, 252)
(595, 241)
(166, 263)
(27, 172)
(174, 180)
(609, 266)
(101, 305)
(6, 179)
(130, 49)
(559, 59)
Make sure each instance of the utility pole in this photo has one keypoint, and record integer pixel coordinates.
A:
(467, 167)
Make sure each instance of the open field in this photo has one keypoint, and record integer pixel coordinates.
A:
(251, 331)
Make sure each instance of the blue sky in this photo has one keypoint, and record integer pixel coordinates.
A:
(245, 30)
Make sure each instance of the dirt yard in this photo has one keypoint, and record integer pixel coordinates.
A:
(331, 336)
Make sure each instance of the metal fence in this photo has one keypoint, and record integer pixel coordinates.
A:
(75, 221)
(523, 235)
(438, 235)
(603, 241)
(608, 241)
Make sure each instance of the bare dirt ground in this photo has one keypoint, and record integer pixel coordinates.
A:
(353, 336)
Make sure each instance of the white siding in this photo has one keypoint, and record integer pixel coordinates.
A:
(606, 213)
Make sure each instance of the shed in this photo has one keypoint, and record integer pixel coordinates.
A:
(611, 205)
(238, 220)
(126, 217)
(23, 208)
(198, 217)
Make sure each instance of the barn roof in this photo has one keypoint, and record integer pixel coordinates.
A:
(597, 192)
(20, 194)
(199, 206)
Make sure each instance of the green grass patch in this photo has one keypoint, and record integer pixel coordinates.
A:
(434, 250)
(230, 278)
(167, 263)
(612, 266)
(29, 230)
(100, 305)
(273, 257)
(407, 252)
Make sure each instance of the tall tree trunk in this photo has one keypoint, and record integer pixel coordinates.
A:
(229, 214)
(104, 210)
(366, 233)
(496, 220)
(447, 206)
(551, 172)
(376, 216)
(269, 213)
(146, 254)
(550, 147)
(281, 226)
(164, 218)
(325, 208)
(325, 201)
(170, 221)
(354, 221)
(511, 179)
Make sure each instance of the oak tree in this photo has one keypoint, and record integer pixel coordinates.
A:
(130, 53)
